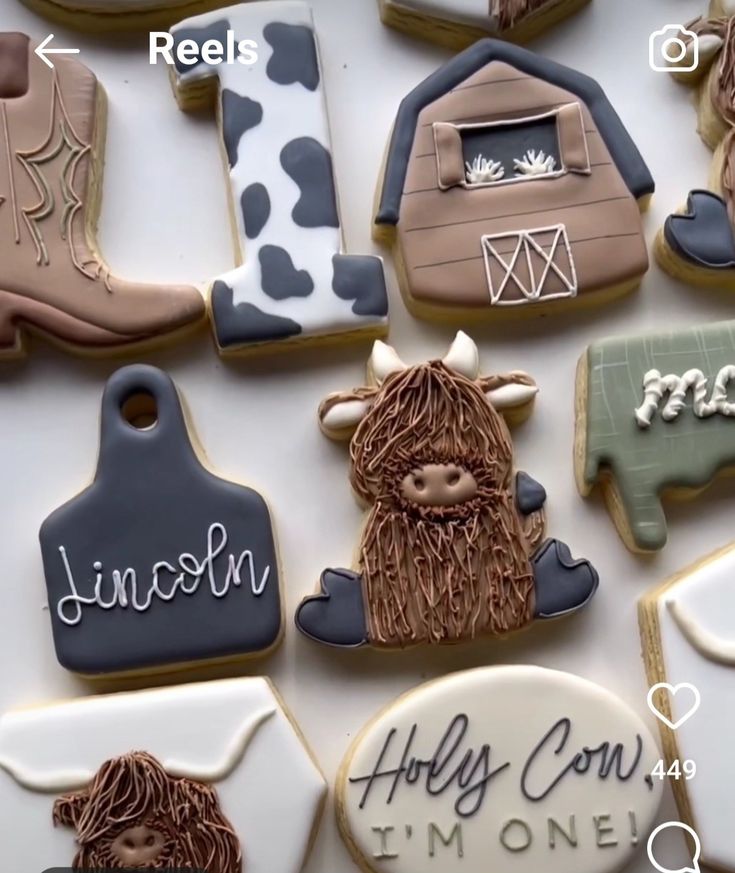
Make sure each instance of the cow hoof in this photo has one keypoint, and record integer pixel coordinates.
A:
(563, 585)
(335, 617)
(703, 234)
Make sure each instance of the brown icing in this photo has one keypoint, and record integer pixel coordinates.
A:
(439, 231)
(49, 188)
(13, 65)
(133, 814)
(447, 571)
(509, 12)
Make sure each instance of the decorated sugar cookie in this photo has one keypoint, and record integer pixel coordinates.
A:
(511, 187)
(212, 777)
(459, 23)
(100, 15)
(502, 768)
(453, 547)
(697, 244)
(294, 282)
(158, 564)
(687, 635)
(654, 416)
(53, 280)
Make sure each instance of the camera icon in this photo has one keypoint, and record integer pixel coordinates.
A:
(673, 46)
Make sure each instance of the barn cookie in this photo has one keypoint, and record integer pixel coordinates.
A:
(453, 547)
(53, 280)
(511, 187)
(687, 637)
(654, 418)
(458, 23)
(697, 244)
(158, 564)
(176, 778)
(296, 284)
(465, 775)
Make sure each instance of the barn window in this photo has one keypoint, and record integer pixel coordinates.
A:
(516, 150)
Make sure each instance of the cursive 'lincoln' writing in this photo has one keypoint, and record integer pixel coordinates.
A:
(449, 767)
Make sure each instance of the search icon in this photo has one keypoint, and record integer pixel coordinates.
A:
(694, 868)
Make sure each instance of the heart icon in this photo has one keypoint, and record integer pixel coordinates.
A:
(673, 691)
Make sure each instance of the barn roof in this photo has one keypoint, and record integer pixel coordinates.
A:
(624, 152)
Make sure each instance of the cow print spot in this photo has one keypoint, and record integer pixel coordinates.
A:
(361, 278)
(239, 114)
(216, 31)
(294, 57)
(256, 209)
(238, 325)
(309, 164)
(279, 278)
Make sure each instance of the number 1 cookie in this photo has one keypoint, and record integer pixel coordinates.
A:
(53, 280)
(158, 564)
(687, 636)
(459, 23)
(296, 284)
(453, 547)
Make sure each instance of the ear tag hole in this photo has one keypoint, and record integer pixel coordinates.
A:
(140, 410)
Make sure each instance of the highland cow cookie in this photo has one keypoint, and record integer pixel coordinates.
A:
(511, 187)
(654, 417)
(459, 23)
(53, 280)
(465, 775)
(697, 244)
(453, 547)
(158, 563)
(212, 777)
(296, 283)
(687, 636)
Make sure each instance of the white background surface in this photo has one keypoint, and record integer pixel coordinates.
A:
(164, 218)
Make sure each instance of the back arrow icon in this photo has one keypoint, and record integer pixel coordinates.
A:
(42, 51)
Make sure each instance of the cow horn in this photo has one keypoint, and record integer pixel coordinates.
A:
(53, 782)
(384, 360)
(220, 769)
(463, 356)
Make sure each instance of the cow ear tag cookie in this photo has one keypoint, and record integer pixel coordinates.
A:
(158, 564)
(453, 546)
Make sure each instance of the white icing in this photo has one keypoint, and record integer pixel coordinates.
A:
(717, 649)
(473, 12)
(198, 728)
(534, 163)
(345, 414)
(125, 585)
(706, 598)
(483, 170)
(468, 813)
(656, 386)
(289, 112)
(528, 245)
(512, 395)
(383, 361)
(463, 356)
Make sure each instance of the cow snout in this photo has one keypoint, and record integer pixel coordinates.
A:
(439, 485)
(138, 846)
